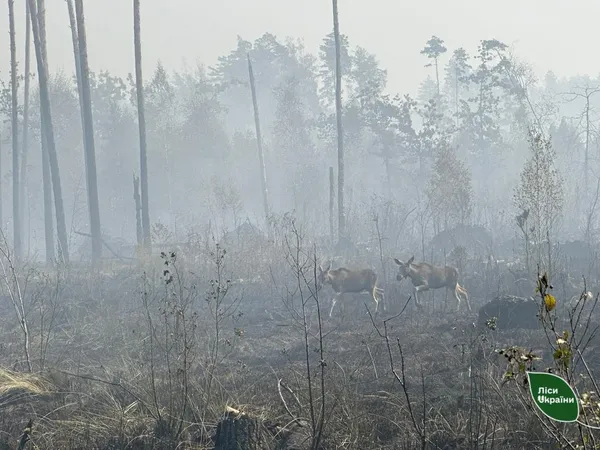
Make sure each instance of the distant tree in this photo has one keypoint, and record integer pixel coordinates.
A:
(368, 78)
(432, 135)
(299, 165)
(381, 118)
(327, 59)
(458, 72)
(585, 93)
(434, 48)
(449, 189)
(163, 130)
(115, 134)
(428, 91)
(304, 69)
(291, 127)
(483, 116)
(362, 87)
(540, 192)
(272, 62)
(113, 117)
(201, 125)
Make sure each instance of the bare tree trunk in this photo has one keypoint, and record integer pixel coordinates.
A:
(89, 147)
(18, 251)
(139, 84)
(138, 209)
(587, 146)
(261, 159)
(340, 132)
(331, 200)
(48, 207)
(39, 40)
(75, 39)
(46, 178)
(23, 191)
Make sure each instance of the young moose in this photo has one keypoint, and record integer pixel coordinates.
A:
(345, 281)
(425, 276)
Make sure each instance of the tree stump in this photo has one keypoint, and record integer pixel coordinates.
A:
(239, 431)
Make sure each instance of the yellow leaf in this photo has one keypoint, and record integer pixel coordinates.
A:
(550, 302)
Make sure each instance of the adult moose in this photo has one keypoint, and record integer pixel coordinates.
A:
(426, 276)
(345, 281)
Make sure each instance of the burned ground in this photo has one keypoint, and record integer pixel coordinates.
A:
(149, 356)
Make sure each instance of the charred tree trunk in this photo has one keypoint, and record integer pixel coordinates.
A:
(261, 159)
(331, 205)
(88, 138)
(138, 210)
(139, 85)
(23, 191)
(15, 134)
(340, 132)
(39, 40)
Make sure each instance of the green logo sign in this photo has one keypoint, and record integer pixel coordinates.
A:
(553, 396)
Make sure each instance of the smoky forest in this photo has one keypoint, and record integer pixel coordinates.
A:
(275, 252)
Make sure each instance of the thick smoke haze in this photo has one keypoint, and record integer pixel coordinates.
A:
(362, 230)
(550, 35)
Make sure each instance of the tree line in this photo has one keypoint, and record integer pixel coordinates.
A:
(453, 149)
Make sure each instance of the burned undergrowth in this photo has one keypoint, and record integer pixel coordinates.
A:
(150, 356)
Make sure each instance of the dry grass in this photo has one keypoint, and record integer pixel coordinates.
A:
(112, 379)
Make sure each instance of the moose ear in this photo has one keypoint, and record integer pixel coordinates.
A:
(397, 261)
(412, 258)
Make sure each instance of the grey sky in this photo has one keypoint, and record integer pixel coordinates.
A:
(551, 34)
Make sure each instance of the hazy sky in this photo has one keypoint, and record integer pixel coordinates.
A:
(551, 34)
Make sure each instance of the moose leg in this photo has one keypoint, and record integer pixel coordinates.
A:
(464, 292)
(374, 293)
(457, 297)
(380, 293)
(333, 301)
(423, 287)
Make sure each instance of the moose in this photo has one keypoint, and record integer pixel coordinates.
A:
(426, 276)
(344, 281)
